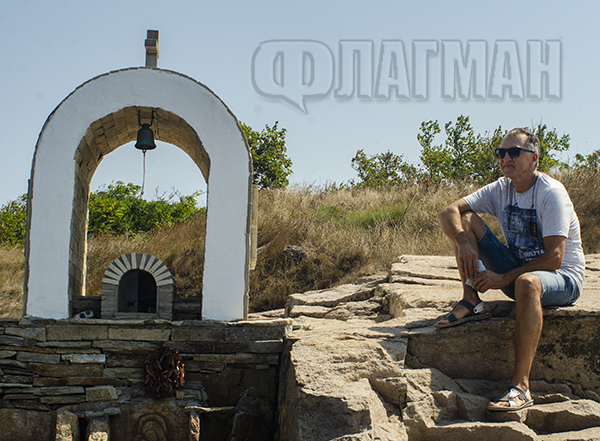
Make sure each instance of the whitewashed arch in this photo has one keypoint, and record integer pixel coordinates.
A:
(54, 270)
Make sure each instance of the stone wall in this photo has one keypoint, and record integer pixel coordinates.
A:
(82, 375)
(184, 308)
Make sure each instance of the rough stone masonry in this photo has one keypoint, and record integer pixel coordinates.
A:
(356, 362)
(58, 376)
(366, 363)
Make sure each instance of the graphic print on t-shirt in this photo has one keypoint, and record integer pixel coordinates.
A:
(523, 235)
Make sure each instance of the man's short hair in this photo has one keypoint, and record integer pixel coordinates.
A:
(531, 142)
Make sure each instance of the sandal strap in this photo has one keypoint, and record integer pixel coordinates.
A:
(450, 317)
(473, 310)
(511, 393)
(467, 305)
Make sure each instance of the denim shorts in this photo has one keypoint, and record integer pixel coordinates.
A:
(558, 288)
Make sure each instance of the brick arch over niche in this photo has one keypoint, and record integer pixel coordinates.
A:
(94, 120)
(113, 277)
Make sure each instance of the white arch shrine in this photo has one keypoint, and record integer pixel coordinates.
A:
(95, 119)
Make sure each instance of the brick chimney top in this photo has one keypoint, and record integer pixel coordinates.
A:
(151, 45)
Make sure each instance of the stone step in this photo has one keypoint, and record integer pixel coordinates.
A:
(436, 401)
(566, 416)
(473, 431)
(508, 431)
(591, 434)
(576, 420)
(441, 390)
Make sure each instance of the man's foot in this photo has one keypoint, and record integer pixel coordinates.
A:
(464, 311)
(513, 399)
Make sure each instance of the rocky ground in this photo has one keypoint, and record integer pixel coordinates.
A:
(365, 362)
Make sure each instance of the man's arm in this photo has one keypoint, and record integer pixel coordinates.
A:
(466, 253)
(550, 260)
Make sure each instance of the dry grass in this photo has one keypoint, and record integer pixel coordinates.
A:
(584, 189)
(347, 233)
(12, 268)
(181, 248)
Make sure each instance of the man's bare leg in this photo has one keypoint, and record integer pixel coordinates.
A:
(473, 227)
(528, 329)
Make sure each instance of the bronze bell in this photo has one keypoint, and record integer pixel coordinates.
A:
(145, 138)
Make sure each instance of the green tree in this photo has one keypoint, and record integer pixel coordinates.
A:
(590, 161)
(116, 209)
(119, 209)
(13, 217)
(271, 164)
(382, 170)
(550, 142)
(469, 156)
(464, 154)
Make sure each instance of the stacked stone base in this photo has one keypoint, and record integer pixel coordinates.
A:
(72, 379)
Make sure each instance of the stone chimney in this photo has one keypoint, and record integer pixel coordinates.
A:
(151, 45)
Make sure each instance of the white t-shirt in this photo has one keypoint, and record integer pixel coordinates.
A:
(526, 218)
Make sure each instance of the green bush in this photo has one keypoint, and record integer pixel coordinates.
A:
(464, 156)
(119, 209)
(271, 164)
(13, 217)
(591, 161)
(382, 170)
(116, 209)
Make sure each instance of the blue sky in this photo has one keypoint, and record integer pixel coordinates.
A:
(48, 48)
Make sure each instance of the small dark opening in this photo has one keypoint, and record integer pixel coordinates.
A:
(137, 292)
(83, 423)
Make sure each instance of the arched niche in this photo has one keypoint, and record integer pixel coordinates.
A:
(134, 282)
(97, 118)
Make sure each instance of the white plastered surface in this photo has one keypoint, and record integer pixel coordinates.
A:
(53, 175)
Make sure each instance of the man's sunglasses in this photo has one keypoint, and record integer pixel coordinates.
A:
(513, 152)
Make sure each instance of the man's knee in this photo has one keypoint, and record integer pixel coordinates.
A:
(472, 222)
(528, 287)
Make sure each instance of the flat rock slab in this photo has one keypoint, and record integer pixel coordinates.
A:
(592, 434)
(340, 372)
(308, 311)
(567, 416)
(435, 383)
(334, 296)
(426, 267)
(473, 431)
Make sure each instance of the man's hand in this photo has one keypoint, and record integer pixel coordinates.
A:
(550, 260)
(489, 280)
(467, 259)
(467, 255)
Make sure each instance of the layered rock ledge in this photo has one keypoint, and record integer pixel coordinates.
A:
(365, 362)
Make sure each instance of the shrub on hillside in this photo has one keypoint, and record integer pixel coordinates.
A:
(464, 156)
(116, 209)
(13, 218)
(270, 162)
(382, 170)
(119, 209)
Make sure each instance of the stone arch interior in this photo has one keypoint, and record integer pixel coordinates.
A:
(137, 292)
(104, 136)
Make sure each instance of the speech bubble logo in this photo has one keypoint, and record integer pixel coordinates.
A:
(292, 70)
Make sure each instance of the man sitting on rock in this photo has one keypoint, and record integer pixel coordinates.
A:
(542, 265)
